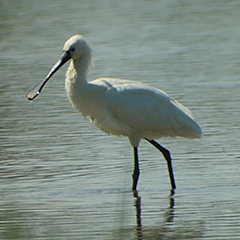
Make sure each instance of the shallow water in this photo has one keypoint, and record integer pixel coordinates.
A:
(61, 178)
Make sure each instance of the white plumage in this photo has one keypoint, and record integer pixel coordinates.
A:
(122, 107)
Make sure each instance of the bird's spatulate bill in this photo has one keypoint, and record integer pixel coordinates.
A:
(34, 92)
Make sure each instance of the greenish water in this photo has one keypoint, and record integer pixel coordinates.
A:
(61, 178)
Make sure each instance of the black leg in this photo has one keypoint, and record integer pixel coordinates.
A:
(136, 171)
(167, 156)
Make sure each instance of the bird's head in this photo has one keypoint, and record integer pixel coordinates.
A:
(75, 48)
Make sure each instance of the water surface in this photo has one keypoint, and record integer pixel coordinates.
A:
(61, 178)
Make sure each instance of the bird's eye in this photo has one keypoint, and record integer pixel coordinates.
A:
(72, 49)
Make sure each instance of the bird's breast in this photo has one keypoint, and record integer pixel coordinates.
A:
(85, 97)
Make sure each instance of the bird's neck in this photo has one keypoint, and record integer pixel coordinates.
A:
(82, 66)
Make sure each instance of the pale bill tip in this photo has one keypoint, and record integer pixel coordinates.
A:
(31, 96)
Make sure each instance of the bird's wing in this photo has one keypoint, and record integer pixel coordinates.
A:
(146, 108)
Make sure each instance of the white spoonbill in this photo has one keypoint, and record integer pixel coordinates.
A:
(122, 107)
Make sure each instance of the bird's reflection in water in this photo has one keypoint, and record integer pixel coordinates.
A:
(138, 214)
(169, 214)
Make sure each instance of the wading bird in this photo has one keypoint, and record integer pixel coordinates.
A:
(122, 107)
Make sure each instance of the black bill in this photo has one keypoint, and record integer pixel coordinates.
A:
(38, 88)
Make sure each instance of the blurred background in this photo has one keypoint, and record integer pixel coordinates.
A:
(62, 178)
